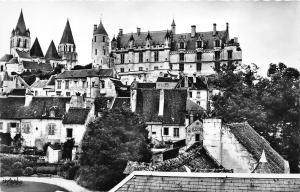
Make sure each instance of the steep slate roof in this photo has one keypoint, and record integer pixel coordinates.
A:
(174, 105)
(31, 65)
(36, 50)
(100, 29)
(67, 36)
(52, 52)
(23, 54)
(39, 108)
(121, 102)
(76, 116)
(6, 57)
(83, 73)
(13, 61)
(21, 27)
(255, 144)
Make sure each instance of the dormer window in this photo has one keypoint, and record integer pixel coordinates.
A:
(52, 113)
(181, 45)
(217, 43)
(199, 44)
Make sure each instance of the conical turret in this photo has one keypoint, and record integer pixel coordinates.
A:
(67, 36)
(36, 50)
(52, 52)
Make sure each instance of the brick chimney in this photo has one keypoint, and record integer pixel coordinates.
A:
(193, 30)
(214, 29)
(138, 31)
(120, 32)
(95, 27)
(161, 102)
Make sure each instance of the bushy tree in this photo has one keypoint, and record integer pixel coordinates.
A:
(67, 149)
(109, 142)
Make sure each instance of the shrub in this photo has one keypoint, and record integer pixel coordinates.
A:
(68, 170)
(6, 149)
(46, 170)
(7, 161)
(17, 169)
(28, 171)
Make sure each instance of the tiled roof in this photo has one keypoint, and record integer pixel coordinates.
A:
(21, 27)
(39, 84)
(76, 116)
(55, 146)
(36, 50)
(255, 144)
(174, 105)
(52, 52)
(100, 29)
(31, 65)
(192, 106)
(13, 61)
(39, 108)
(67, 36)
(23, 54)
(198, 85)
(166, 79)
(6, 58)
(83, 73)
(121, 102)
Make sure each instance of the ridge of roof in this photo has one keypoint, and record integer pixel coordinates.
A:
(67, 36)
(36, 50)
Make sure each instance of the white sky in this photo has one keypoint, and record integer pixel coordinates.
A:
(267, 31)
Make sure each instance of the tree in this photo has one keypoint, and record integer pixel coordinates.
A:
(109, 142)
(67, 149)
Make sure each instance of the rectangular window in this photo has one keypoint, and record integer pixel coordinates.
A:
(51, 129)
(229, 52)
(199, 56)
(153, 133)
(102, 84)
(199, 66)
(181, 45)
(69, 132)
(140, 68)
(176, 132)
(95, 38)
(141, 57)
(155, 68)
(26, 128)
(181, 67)
(191, 94)
(199, 44)
(122, 70)
(122, 58)
(68, 94)
(93, 84)
(156, 55)
(58, 84)
(217, 55)
(198, 95)
(217, 43)
(83, 84)
(67, 84)
(166, 131)
(197, 137)
(95, 51)
(58, 93)
(1, 125)
(35, 93)
(181, 56)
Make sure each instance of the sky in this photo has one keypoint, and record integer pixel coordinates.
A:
(268, 32)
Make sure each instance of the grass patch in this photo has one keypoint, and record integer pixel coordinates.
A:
(29, 186)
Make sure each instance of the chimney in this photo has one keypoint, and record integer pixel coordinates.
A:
(214, 29)
(138, 31)
(120, 32)
(227, 27)
(193, 30)
(161, 102)
(95, 27)
(236, 40)
(191, 118)
(67, 107)
(28, 98)
(37, 78)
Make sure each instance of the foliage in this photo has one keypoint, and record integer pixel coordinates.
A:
(109, 142)
(46, 170)
(17, 142)
(268, 104)
(28, 171)
(7, 161)
(6, 149)
(17, 169)
(68, 170)
(5, 138)
(67, 149)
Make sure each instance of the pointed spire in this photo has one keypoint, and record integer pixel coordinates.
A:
(67, 36)
(100, 30)
(173, 23)
(36, 50)
(148, 36)
(131, 37)
(167, 35)
(52, 52)
(21, 27)
(114, 38)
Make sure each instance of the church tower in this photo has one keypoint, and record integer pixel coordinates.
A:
(67, 48)
(20, 37)
(100, 47)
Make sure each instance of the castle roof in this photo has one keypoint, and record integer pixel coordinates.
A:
(36, 50)
(52, 52)
(67, 36)
(21, 27)
(6, 58)
(100, 30)
(173, 23)
(83, 73)
(23, 54)
(13, 60)
(76, 116)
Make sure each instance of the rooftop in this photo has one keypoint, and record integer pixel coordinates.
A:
(83, 73)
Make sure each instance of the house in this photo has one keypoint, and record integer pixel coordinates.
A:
(54, 153)
(43, 87)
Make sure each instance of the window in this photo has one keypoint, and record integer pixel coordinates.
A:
(122, 69)
(95, 51)
(176, 132)
(75, 83)
(197, 137)
(229, 53)
(35, 93)
(199, 66)
(58, 93)
(58, 84)
(155, 68)
(140, 68)
(156, 55)
(122, 58)
(102, 84)
(217, 55)
(69, 132)
(199, 56)
(83, 84)
(1, 125)
(154, 133)
(26, 128)
(181, 56)
(18, 42)
(93, 84)
(67, 84)
(199, 44)
(68, 94)
(104, 52)
(217, 66)
(25, 43)
(181, 67)
(1, 68)
(166, 131)
(70, 49)
(191, 94)
(171, 66)
(181, 45)
(103, 39)
(95, 38)
(217, 43)
(141, 57)
(198, 95)
(51, 129)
